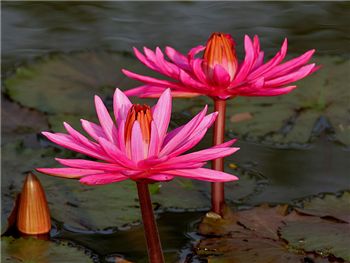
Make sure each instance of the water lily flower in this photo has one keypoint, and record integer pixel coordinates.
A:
(218, 73)
(137, 145)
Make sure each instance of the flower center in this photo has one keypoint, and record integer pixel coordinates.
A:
(220, 50)
(142, 114)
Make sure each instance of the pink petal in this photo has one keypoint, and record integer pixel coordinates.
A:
(271, 63)
(71, 173)
(100, 179)
(161, 177)
(144, 60)
(80, 138)
(172, 140)
(138, 152)
(121, 106)
(272, 92)
(66, 142)
(117, 156)
(155, 143)
(194, 51)
(177, 58)
(86, 164)
(203, 174)
(248, 61)
(197, 70)
(106, 121)
(290, 65)
(154, 91)
(225, 144)
(94, 130)
(221, 77)
(301, 73)
(201, 156)
(162, 113)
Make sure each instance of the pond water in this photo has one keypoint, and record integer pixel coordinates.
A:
(287, 173)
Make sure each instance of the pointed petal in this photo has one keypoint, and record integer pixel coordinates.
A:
(67, 142)
(155, 143)
(100, 179)
(121, 106)
(117, 156)
(94, 130)
(177, 58)
(86, 164)
(221, 77)
(161, 177)
(137, 146)
(248, 61)
(71, 173)
(203, 174)
(106, 121)
(162, 113)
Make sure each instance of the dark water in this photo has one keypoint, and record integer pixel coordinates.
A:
(35, 29)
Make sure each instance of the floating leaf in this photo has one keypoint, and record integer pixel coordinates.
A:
(328, 206)
(313, 234)
(243, 246)
(30, 250)
(253, 236)
(18, 122)
(82, 207)
(67, 83)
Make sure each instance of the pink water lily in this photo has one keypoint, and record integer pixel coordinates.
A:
(218, 73)
(137, 145)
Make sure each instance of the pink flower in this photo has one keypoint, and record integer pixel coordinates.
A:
(137, 146)
(218, 74)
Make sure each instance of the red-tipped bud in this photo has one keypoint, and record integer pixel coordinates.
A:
(220, 50)
(33, 216)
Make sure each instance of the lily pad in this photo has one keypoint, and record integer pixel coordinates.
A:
(67, 83)
(263, 220)
(30, 250)
(18, 122)
(321, 102)
(82, 208)
(253, 236)
(328, 206)
(313, 234)
(243, 246)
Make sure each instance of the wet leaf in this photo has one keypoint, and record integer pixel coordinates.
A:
(244, 246)
(254, 236)
(19, 122)
(97, 208)
(328, 206)
(313, 234)
(263, 220)
(67, 83)
(30, 250)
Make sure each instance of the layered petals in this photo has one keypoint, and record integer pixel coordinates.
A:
(189, 75)
(137, 144)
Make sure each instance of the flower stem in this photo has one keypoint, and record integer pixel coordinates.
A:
(154, 247)
(217, 189)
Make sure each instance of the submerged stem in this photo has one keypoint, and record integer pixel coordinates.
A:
(154, 247)
(217, 189)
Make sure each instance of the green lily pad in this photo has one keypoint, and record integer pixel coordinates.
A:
(19, 122)
(30, 250)
(254, 236)
(313, 234)
(328, 206)
(263, 220)
(320, 102)
(243, 247)
(67, 83)
(98, 208)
